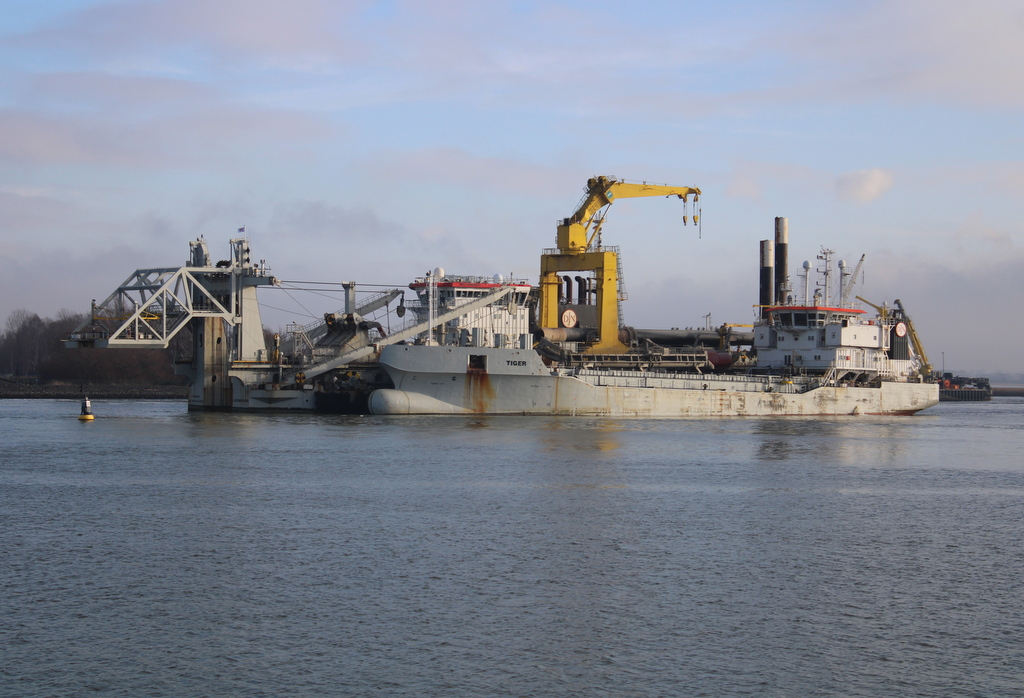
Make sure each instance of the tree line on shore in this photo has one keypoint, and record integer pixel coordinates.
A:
(31, 348)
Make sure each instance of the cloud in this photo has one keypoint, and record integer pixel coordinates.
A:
(977, 240)
(744, 186)
(543, 54)
(864, 185)
(447, 166)
(950, 302)
(914, 51)
(196, 138)
(308, 221)
(763, 181)
(301, 34)
(84, 92)
(32, 221)
(35, 138)
(661, 62)
(1005, 178)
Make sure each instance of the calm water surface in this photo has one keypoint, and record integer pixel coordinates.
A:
(155, 552)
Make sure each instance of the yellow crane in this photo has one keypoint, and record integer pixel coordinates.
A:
(579, 249)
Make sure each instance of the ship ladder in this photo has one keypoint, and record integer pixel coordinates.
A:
(830, 377)
(620, 291)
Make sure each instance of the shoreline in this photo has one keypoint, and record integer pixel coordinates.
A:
(94, 391)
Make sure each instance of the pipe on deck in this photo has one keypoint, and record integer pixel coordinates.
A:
(666, 338)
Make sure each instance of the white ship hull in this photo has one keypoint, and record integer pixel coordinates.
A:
(437, 380)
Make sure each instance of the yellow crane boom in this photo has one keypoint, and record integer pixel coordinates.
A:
(574, 234)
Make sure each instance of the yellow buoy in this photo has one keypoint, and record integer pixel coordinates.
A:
(86, 415)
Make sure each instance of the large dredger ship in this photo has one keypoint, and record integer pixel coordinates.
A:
(502, 346)
(806, 354)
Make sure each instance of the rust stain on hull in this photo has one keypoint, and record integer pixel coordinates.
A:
(479, 393)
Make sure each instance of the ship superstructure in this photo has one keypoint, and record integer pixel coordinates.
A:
(504, 323)
(835, 338)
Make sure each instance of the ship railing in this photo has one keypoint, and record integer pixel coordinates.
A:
(678, 359)
(880, 368)
(600, 248)
(474, 279)
(883, 368)
(693, 381)
(88, 335)
(893, 368)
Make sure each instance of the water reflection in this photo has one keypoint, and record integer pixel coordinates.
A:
(845, 441)
(583, 435)
(552, 434)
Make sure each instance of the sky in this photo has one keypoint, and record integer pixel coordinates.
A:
(372, 141)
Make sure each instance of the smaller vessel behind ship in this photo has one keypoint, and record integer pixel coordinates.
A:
(962, 389)
(818, 356)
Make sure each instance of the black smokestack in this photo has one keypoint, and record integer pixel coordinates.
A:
(781, 259)
(767, 288)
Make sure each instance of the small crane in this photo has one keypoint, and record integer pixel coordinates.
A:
(848, 287)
